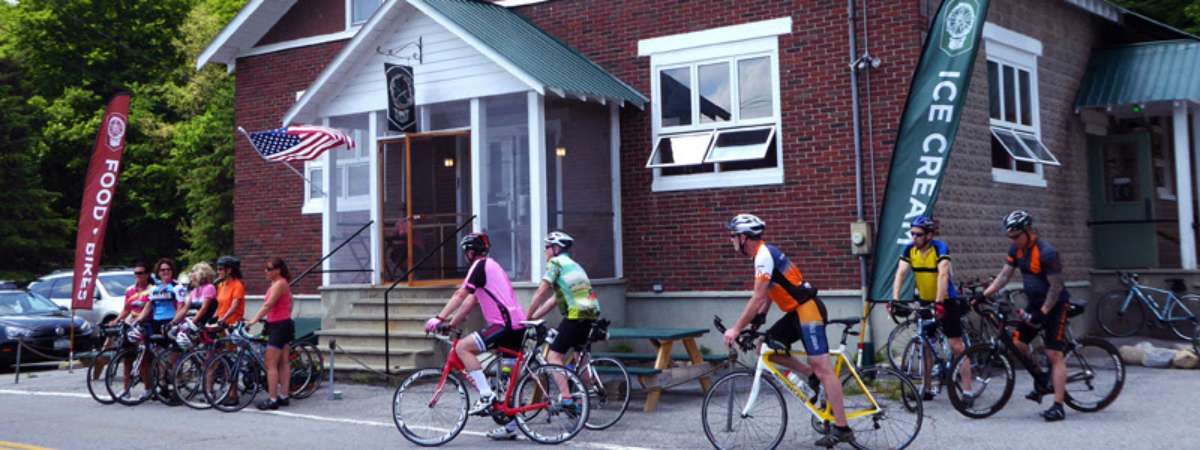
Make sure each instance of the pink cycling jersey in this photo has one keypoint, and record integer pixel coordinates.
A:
(489, 282)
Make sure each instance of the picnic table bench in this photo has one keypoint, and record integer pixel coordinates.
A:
(664, 339)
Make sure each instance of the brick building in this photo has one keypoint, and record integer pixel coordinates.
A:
(642, 126)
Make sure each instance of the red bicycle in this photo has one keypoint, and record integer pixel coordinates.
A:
(430, 406)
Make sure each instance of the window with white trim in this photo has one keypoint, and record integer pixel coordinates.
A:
(352, 175)
(1018, 152)
(715, 113)
(358, 11)
(314, 187)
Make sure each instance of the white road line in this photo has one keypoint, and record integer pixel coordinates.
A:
(371, 423)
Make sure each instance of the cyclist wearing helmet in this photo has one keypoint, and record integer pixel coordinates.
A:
(1041, 271)
(777, 280)
(929, 261)
(486, 284)
(231, 293)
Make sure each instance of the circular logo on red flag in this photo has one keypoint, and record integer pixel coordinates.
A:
(115, 130)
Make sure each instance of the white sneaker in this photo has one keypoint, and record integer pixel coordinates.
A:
(482, 405)
(503, 434)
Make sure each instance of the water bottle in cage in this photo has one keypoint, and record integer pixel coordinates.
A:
(506, 365)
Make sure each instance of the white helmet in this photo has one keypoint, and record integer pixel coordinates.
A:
(182, 339)
(747, 224)
(560, 239)
(135, 335)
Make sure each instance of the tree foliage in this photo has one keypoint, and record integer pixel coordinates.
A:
(1181, 14)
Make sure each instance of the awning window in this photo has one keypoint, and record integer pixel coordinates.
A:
(1024, 146)
(680, 150)
(741, 144)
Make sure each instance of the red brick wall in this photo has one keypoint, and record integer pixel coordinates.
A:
(677, 238)
(267, 197)
(308, 18)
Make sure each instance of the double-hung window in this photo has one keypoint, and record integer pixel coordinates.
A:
(715, 112)
(351, 176)
(358, 11)
(1019, 153)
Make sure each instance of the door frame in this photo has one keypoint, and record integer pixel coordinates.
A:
(406, 139)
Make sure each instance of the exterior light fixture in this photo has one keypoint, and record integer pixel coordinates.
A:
(560, 151)
(448, 162)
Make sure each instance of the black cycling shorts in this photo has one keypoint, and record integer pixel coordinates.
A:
(1053, 325)
(788, 330)
(572, 335)
(498, 336)
(951, 322)
(280, 334)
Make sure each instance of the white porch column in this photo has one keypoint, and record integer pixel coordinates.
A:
(477, 163)
(326, 211)
(372, 144)
(537, 181)
(614, 136)
(1183, 188)
(1196, 141)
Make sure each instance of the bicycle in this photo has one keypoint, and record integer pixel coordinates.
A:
(1123, 312)
(114, 342)
(882, 406)
(145, 364)
(237, 370)
(901, 313)
(526, 398)
(1095, 373)
(932, 374)
(607, 379)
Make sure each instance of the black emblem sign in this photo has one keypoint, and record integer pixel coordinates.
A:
(402, 111)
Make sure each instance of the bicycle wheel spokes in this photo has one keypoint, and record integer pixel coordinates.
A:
(189, 380)
(428, 412)
(95, 377)
(898, 339)
(725, 425)
(1119, 318)
(127, 380)
(607, 384)
(316, 365)
(1182, 316)
(1095, 375)
(552, 422)
(900, 412)
(983, 379)
(300, 371)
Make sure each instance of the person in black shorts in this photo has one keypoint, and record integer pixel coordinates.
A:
(1041, 271)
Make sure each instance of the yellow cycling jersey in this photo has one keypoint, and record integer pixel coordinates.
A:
(925, 269)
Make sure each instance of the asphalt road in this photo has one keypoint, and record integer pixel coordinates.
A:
(52, 409)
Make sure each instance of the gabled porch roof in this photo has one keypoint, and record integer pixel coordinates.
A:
(1141, 74)
(513, 43)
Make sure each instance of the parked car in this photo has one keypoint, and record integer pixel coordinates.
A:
(109, 294)
(41, 325)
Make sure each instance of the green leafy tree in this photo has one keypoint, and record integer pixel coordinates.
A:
(1181, 14)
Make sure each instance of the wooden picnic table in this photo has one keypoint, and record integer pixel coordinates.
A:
(664, 339)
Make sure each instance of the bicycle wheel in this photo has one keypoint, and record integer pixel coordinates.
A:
(912, 364)
(547, 421)
(607, 384)
(898, 339)
(235, 381)
(95, 377)
(127, 380)
(300, 371)
(164, 374)
(1117, 318)
(1095, 375)
(721, 414)
(427, 412)
(900, 410)
(1183, 314)
(189, 379)
(316, 363)
(992, 379)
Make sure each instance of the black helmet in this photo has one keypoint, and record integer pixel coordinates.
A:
(229, 262)
(476, 241)
(925, 223)
(1018, 220)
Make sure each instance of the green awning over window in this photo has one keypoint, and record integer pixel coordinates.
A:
(1142, 73)
(551, 62)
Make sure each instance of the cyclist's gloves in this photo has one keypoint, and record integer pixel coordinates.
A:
(432, 324)
(939, 309)
(758, 321)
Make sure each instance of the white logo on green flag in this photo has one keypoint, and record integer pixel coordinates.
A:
(957, 37)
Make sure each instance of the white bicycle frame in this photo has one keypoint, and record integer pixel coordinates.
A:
(762, 367)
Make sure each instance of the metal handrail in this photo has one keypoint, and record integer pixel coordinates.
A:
(331, 252)
(387, 335)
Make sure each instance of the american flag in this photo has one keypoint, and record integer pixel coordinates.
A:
(298, 143)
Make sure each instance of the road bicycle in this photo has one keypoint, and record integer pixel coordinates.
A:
(1122, 312)
(901, 313)
(114, 342)
(607, 379)
(927, 357)
(236, 372)
(430, 406)
(746, 409)
(145, 362)
(1095, 373)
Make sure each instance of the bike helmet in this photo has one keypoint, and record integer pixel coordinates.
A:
(747, 224)
(1018, 220)
(478, 242)
(560, 239)
(182, 339)
(925, 223)
(229, 261)
(135, 335)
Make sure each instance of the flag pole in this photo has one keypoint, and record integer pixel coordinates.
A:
(71, 352)
(289, 166)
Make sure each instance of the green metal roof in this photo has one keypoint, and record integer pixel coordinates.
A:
(1142, 73)
(538, 54)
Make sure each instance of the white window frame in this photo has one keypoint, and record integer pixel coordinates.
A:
(729, 45)
(313, 205)
(1009, 48)
(345, 201)
(350, 23)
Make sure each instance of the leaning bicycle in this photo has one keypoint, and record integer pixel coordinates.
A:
(1095, 373)
(746, 408)
(1123, 312)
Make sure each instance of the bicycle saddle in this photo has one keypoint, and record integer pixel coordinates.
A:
(849, 321)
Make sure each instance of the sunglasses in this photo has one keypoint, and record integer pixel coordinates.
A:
(1015, 236)
(268, 269)
(165, 269)
(918, 234)
(139, 273)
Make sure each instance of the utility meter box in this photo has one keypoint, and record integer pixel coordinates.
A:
(860, 238)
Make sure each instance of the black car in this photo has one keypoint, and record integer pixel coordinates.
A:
(42, 326)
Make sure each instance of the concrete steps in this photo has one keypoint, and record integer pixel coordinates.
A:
(402, 359)
(360, 333)
(395, 307)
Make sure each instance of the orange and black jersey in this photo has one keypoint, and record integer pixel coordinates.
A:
(788, 290)
(1037, 263)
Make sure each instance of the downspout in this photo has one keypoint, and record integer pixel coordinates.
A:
(858, 178)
